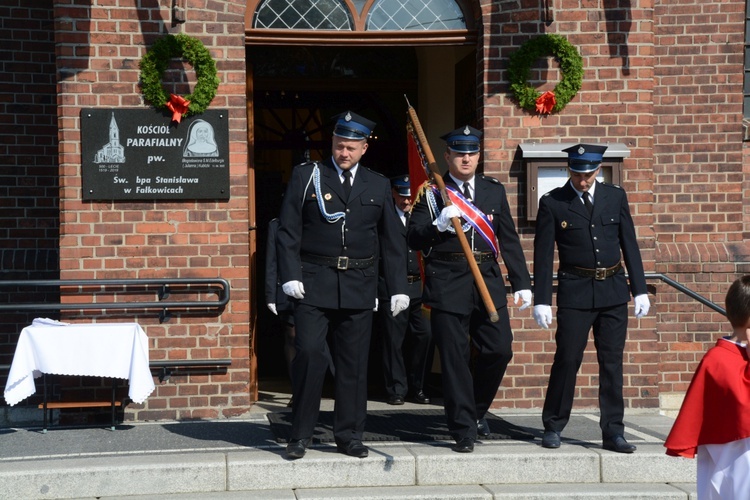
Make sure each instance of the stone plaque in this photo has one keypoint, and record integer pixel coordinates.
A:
(140, 154)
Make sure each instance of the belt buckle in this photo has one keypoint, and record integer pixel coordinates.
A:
(478, 257)
(600, 273)
(342, 263)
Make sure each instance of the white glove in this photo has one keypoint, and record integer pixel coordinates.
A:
(525, 296)
(294, 289)
(444, 219)
(399, 303)
(377, 303)
(642, 305)
(543, 315)
(272, 308)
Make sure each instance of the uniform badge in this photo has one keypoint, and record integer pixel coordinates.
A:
(327, 196)
(564, 224)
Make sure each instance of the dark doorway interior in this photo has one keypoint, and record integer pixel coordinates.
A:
(296, 93)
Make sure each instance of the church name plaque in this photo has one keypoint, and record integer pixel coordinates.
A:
(139, 154)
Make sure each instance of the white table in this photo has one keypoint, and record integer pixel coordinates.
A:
(112, 350)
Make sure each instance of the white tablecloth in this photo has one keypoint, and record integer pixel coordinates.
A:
(116, 350)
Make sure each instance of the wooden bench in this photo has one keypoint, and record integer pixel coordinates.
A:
(48, 406)
(165, 368)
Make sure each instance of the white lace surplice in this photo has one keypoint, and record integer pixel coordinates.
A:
(724, 471)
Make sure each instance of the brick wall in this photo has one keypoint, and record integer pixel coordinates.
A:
(665, 78)
(28, 160)
(99, 46)
(615, 104)
(699, 175)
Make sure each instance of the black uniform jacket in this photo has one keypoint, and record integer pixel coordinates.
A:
(596, 241)
(371, 226)
(273, 292)
(412, 270)
(448, 285)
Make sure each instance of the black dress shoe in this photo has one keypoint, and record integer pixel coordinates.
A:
(297, 448)
(353, 448)
(618, 444)
(551, 439)
(395, 400)
(464, 445)
(421, 398)
(483, 428)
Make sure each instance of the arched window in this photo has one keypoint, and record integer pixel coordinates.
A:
(347, 17)
(303, 15)
(415, 15)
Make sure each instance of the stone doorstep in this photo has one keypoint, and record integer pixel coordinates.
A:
(394, 471)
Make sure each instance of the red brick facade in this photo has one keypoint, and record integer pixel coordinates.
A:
(663, 77)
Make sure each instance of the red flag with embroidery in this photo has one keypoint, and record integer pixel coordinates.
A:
(417, 170)
(417, 177)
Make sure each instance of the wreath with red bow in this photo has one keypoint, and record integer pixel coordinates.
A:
(154, 63)
(571, 69)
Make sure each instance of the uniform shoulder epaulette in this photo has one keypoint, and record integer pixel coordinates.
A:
(374, 171)
(306, 164)
(491, 179)
(612, 185)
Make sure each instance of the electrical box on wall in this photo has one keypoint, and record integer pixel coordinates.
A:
(547, 168)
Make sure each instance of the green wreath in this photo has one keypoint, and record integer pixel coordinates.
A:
(155, 62)
(571, 68)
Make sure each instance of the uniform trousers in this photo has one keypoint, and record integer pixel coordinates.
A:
(610, 326)
(468, 393)
(350, 331)
(404, 367)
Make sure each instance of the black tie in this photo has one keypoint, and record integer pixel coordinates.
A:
(587, 202)
(467, 191)
(347, 184)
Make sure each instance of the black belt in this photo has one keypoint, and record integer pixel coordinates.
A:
(342, 263)
(460, 256)
(413, 279)
(600, 273)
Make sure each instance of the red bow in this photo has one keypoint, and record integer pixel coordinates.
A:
(178, 106)
(546, 102)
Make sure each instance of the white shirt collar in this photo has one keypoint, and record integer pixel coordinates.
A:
(340, 170)
(591, 190)
(460, 183)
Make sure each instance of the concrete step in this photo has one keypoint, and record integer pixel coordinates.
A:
(489, 492)
(496, 470)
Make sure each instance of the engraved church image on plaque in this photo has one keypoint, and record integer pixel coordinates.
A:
(112, 152)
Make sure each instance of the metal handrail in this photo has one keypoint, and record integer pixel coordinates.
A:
(690, 293)
(682, 288)
(163, 292)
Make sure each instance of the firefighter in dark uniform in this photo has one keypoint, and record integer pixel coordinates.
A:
(336, 217)
(406, 339)
(460, 321)
(279, 303)
(591, 224)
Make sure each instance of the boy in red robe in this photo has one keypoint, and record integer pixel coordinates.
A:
(714, 420)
